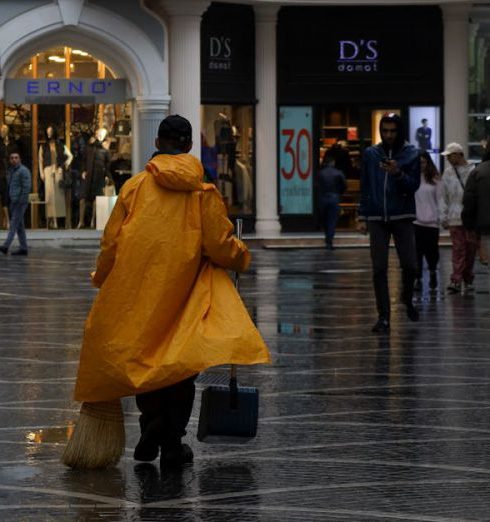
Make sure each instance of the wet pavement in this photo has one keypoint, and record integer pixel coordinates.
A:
(353, 426)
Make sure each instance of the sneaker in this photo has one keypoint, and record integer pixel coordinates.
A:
(4, 250)
(381, 326)
(329, 246)
(468, 287)
(175, 456)
(417, 285)
(412, 313)
(433, 280)
(20, 252)
(454, 287)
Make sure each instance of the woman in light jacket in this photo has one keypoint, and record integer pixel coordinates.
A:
(427, 223)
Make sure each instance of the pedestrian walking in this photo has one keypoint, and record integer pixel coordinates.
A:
(331, 186)
(162, 267)
(427, 223)
(464, 242)
(476, 208)
(390, 176)
(19, 187)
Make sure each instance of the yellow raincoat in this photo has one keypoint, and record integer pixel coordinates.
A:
(166, 309)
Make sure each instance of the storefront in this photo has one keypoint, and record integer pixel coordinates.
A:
(79, 98)
(76, 79)
(228, 105)
(339, 70)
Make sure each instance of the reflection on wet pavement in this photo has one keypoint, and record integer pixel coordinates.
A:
(353, 426)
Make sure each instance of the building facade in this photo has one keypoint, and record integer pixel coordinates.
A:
(268, 86)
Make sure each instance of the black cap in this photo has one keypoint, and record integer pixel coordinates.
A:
(175, 127)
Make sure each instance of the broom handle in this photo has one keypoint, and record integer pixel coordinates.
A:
(238, 233)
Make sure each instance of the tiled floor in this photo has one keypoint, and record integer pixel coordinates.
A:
(353, 426)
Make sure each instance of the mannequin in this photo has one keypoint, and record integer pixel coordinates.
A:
(53, 158)
(226, 147)
(94, 176)
(4, 212)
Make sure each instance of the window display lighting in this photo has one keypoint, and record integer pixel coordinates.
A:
(58, 59)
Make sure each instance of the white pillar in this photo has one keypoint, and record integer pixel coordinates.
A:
(149, 113)
(184, 24)
(267, 221)
(456, 39)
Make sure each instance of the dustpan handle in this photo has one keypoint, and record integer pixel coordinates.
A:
(238, 233)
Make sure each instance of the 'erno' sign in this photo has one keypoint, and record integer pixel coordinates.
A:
(53, 91)
(360, 56)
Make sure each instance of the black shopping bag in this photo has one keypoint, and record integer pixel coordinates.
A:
(229, 411)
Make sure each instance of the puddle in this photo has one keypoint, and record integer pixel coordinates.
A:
(51, 435)
(19, 472)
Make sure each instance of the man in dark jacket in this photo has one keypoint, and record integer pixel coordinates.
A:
(19, 187)
(390, 177)
(476, 210)
(331, 185)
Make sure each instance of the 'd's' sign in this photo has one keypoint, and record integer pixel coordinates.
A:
(358, 56)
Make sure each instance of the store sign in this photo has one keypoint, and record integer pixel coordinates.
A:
(296, 160)
(360, 56)
(53, 91)
(219, 53)
(228, 54)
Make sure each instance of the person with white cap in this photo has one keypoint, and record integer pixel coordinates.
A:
(464, 242)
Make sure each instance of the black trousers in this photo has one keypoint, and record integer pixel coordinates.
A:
(168, 410)
(427, 241)
(380, 233)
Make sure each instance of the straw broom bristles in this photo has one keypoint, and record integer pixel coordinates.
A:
(98, 440)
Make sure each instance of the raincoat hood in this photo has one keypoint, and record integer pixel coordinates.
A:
(179, 172)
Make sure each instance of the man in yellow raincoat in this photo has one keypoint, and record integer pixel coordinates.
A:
(166, 309)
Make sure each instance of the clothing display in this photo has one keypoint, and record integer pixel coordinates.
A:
(243, 185)
(97, 167)
(53, 158)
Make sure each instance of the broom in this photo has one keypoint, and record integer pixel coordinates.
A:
(98, 440)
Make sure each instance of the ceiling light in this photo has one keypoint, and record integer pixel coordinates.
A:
(57, 59)
(80, 53)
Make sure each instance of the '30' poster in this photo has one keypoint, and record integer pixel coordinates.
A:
(295, 160)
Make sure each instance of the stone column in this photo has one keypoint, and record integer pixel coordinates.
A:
(456, 92)
(267, 222)
(148, 113)
(184, 25)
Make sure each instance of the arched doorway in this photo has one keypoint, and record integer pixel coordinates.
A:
(75, 94)
(131, 46)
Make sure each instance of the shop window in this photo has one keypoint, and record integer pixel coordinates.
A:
(227, 153)
(75, 122)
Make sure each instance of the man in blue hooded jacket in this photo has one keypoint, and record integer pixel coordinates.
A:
(389, 180)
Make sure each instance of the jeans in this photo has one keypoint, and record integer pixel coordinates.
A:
(169, 409)
(380, 233)
(465, 245)
(427, 241)
(329, 203)
(17, 211)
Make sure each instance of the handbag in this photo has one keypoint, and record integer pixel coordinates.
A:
(229, 411)
(66, 181)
